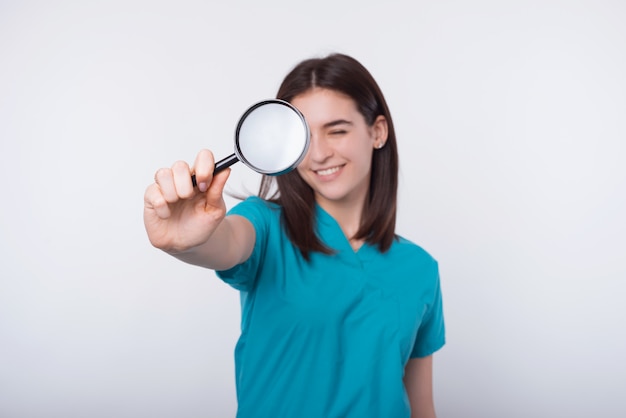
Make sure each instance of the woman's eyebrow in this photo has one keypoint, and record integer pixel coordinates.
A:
(336, 123)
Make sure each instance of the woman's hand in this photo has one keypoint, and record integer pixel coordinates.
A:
(178, 216)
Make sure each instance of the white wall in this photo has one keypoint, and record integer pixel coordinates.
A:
(512, 129)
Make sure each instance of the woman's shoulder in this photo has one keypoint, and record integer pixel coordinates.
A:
(405, 248)
(256, 209)
(411, 260)
(255, 202)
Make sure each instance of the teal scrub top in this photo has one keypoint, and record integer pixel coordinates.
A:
(330, 337)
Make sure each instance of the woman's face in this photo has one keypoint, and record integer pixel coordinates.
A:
(337, 165)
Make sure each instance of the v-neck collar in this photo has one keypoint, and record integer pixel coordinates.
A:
(332, 235)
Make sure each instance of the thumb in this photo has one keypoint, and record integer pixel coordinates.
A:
(216, 188)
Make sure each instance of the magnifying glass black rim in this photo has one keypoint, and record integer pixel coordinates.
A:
(243, 159)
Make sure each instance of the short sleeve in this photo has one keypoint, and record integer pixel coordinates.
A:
(431, 333)
(242, 276)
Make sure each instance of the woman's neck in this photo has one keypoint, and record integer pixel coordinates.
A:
(348, 216)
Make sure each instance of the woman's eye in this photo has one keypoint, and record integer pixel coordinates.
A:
(338, 132)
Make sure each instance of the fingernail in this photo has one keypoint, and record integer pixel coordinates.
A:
(203, 187)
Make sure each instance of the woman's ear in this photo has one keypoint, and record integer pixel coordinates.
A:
(380, 131)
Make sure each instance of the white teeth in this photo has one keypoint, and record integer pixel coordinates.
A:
(328, 171)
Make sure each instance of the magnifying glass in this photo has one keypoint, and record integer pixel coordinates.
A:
(272, 137)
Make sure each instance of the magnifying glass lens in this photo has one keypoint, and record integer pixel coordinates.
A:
(272, 138)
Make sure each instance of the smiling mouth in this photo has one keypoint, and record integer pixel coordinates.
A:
(327, 171)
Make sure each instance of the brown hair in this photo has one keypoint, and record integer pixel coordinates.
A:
(344, 74)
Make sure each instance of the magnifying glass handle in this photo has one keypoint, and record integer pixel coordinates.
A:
(219, 166)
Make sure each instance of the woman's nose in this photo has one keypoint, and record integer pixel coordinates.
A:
(319, 149)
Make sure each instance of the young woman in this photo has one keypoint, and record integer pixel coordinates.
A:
(340, 316)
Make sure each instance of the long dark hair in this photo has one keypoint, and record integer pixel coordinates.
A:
(344, 74)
